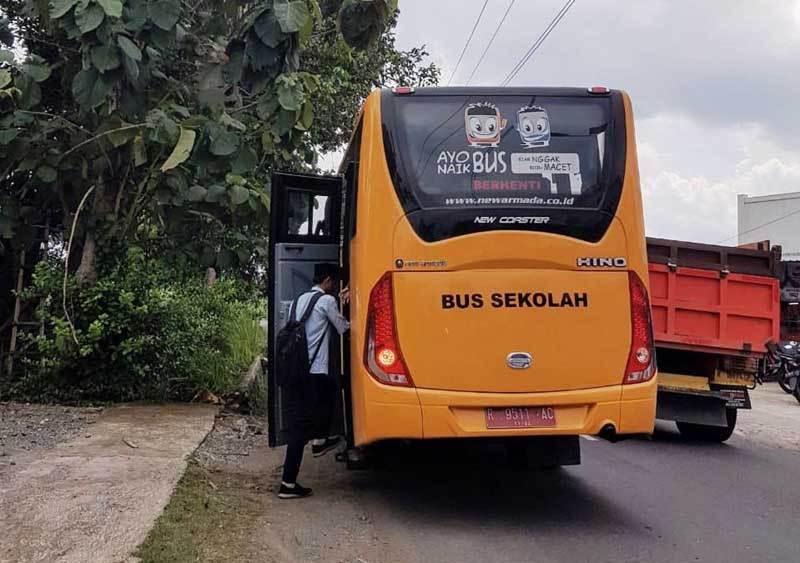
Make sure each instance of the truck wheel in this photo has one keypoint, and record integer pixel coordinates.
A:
(704, 433)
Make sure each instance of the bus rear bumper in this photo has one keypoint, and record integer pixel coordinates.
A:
(629, 409)
(587, 411)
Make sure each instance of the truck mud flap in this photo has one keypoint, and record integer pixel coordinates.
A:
(695, 408)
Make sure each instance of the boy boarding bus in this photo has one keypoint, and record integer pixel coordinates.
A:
(493, 241)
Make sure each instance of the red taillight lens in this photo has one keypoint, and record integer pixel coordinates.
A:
(641, 360)
(382, 355)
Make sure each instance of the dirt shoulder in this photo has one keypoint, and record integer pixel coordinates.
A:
(219, 500)
(26, 427)
(207, 519)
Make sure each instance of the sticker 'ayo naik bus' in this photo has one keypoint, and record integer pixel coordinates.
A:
(483, 123)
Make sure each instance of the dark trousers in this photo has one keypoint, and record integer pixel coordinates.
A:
(312, 414)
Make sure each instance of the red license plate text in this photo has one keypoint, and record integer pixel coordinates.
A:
(520, 417)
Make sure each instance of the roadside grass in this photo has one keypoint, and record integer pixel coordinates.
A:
(246, 338)
(241, 339)
(204, 520)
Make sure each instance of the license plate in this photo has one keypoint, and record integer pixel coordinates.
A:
(738, 398)
(520, 417)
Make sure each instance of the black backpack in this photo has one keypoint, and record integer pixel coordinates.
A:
(291, 359)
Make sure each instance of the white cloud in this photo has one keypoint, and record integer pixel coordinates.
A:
(691, 175)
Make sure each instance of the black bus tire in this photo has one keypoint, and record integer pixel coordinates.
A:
(705, 433)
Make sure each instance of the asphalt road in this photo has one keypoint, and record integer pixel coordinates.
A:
(662, 500)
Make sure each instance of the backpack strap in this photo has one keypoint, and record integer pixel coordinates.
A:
(306, 314)
(310, 307)
(319, 345)
(293, 309)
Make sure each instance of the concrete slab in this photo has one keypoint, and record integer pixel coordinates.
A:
(96, 497)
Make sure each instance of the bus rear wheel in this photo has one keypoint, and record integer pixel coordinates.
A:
(705, 433)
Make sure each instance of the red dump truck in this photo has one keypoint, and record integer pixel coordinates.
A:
(714, 309)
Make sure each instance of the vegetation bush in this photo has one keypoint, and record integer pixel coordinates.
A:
(143, 331)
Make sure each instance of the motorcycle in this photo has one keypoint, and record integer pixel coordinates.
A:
(782, 364)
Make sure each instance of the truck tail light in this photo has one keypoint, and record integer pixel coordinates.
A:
(382, 356)
(641, 360)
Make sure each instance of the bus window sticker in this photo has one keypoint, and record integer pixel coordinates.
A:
(533, 126)
(552, 166)
(483, 124)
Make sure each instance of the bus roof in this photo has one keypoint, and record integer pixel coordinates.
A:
(498, 90)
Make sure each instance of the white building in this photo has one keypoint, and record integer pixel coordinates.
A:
(775, 218)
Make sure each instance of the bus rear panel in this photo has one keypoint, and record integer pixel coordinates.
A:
(498, 268)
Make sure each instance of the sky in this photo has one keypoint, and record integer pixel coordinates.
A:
(715, 87)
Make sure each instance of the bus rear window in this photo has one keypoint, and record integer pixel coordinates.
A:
(554, 155)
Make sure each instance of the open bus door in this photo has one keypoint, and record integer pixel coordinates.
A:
(305, 221)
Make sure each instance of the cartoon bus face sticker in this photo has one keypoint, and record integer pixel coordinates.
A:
(483, 123)
(533, 126)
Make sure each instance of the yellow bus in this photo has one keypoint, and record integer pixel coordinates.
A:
(493, 240)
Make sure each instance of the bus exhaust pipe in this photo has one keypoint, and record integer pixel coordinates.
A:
(609, 433)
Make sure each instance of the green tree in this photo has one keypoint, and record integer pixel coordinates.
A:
(161, 123)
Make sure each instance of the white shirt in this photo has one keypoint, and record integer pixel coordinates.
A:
(325, 311)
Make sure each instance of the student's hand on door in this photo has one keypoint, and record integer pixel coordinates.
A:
(344, 295)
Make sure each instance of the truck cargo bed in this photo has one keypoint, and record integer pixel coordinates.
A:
(709, 298)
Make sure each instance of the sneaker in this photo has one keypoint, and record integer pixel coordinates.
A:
(319, 450)
(296, 491)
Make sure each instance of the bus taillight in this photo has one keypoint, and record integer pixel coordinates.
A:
(382, 355)
(641, 360)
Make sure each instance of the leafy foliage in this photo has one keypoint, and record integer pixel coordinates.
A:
(154, 104)
(142, 333)
(359, 21)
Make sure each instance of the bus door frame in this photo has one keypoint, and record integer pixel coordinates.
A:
(292, 256)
